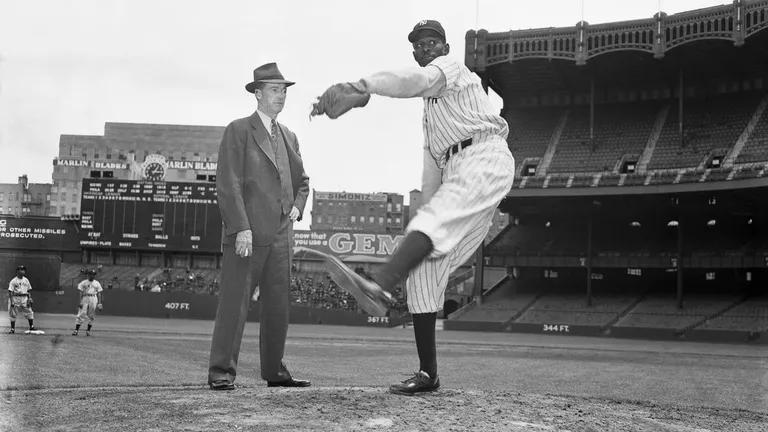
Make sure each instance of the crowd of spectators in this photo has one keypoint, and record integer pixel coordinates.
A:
(176, 281)
(318, 290)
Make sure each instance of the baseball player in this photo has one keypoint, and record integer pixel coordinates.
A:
(90, 300)
(468, 170)
(18, 299)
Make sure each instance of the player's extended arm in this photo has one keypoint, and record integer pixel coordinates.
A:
(428, 81)
(338, 99)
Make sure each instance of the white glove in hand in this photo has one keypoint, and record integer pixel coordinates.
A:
(244, 243)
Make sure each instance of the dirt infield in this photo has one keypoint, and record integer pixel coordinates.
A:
(352, 409)
(148, 375)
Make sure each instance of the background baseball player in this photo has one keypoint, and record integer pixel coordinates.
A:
(19, 299)
(90, 300)
(468, 170)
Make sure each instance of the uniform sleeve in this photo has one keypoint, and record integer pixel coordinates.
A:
(10, 286)
(98, 287)
(450, 69)
(406, 83)
(80, 286)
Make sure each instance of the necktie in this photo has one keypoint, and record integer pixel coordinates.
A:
(273, 132)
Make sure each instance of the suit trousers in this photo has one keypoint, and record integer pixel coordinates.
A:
(269, 268)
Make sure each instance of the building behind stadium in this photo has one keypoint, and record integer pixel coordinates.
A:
(25, 199)
(131, 151)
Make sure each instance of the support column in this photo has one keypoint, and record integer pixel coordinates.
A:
(680, 263)
(680, 111)
(591, 110)
(477, 290)
(589, 260)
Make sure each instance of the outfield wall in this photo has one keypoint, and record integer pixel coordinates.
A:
(189, 306)
(698, 335)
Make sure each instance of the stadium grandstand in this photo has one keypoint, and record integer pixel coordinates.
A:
(639, 204)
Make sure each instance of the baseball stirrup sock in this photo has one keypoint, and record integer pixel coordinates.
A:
(424, 330)
(415, 247)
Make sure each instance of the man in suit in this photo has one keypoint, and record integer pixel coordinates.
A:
(262, 189)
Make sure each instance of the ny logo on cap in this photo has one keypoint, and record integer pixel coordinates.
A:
(422, 22)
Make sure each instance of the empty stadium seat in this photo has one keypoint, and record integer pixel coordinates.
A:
(709, 124)
(619, 129)
(662, 311)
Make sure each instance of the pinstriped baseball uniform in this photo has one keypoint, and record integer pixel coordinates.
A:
(472, 182)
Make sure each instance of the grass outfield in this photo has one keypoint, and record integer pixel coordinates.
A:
(149, 374)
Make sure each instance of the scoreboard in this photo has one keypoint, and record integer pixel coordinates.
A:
(146, 215)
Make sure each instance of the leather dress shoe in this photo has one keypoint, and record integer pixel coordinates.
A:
(290, 382)
(221, 385)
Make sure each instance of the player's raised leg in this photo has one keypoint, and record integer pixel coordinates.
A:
(425, 292)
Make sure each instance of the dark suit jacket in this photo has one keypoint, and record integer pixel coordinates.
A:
(247, 182)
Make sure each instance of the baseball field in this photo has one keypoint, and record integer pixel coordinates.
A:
(149, 375)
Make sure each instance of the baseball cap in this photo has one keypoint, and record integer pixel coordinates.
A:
(433, 25)
(20, 267)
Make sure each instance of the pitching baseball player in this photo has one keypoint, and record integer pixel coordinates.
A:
(468, 170)
(18, 299)
(90, 300)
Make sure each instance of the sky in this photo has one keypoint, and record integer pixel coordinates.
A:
(68, 67)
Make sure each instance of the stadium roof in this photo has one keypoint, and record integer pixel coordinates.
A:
(728, 40)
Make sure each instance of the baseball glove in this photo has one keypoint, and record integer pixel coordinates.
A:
(340, 98)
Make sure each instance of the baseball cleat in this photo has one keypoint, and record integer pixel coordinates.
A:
(11, 331)
(87, 332)
(419, 383)
(74, 333)
(369, 295)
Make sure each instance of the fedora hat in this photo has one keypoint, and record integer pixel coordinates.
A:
(268, 73)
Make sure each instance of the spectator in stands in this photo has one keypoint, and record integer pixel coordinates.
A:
(155, 287)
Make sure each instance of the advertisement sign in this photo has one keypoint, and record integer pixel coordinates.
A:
(38, 233)
(348, 243)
